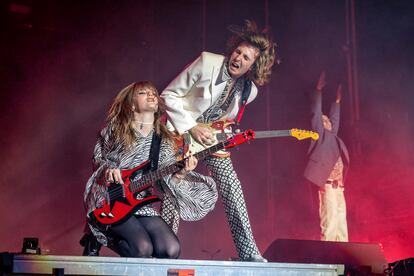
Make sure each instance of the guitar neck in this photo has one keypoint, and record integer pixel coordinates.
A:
(260, 134)
(153, 176)
(272, 133)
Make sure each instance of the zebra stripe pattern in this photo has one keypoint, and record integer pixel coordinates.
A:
(191, 199)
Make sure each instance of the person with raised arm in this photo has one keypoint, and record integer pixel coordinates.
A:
(328, 166)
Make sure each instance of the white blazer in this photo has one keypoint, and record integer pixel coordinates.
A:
(195, 89)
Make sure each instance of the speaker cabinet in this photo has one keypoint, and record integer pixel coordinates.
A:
(355, 256)
(401, 268)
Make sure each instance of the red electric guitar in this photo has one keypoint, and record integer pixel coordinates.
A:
(120, 202)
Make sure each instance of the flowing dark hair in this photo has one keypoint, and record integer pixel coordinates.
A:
(249, 33)
(120, 115)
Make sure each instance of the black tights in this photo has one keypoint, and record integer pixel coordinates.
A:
(145, 237)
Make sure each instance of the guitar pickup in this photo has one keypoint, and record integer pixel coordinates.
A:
(187, 138)
(222, 136)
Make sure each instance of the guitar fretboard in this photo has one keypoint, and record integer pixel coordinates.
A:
(272, 133)
(260, 134)
(153, 176)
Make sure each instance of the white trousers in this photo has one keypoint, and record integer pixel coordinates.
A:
(332, 214)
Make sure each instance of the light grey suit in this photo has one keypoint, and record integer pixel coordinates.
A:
(187, 97)
(195, 89)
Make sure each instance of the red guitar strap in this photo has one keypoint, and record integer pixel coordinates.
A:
(245, 96)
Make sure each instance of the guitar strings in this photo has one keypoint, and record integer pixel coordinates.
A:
(118, 191)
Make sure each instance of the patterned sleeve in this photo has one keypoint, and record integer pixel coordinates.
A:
(104, 155)
(196, 196)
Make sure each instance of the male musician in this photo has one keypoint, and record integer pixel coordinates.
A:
(327, 166)
(217, 88)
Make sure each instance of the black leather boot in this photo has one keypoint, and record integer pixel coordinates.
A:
(90, 244)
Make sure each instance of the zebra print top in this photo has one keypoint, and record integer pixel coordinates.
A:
(190, 200)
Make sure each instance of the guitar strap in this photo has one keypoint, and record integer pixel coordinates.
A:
(154, 151)
(153, 155)
(245, 96)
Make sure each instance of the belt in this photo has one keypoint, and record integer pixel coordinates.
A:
(335, 183)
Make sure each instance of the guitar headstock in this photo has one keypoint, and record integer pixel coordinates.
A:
(301, 134)
(239, 138)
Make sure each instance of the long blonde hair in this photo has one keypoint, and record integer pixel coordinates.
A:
(262, 67)
(120, 115)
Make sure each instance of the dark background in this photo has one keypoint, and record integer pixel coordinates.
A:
(62, 62)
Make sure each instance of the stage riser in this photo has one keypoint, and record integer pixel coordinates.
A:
(73, 265)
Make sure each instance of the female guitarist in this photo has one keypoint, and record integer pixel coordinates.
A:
(135, 133)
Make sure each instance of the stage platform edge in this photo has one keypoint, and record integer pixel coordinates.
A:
(80, 265)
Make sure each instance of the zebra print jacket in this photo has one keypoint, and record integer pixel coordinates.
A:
(190, 200)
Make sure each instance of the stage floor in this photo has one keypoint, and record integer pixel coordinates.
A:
(79, 265)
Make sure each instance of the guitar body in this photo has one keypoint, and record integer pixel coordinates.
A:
(121, 202)
(220, 129)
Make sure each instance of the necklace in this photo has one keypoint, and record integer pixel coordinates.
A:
(141, 124)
